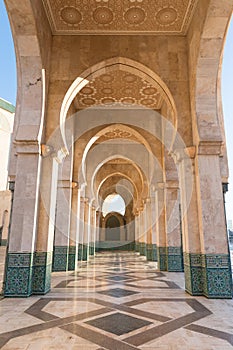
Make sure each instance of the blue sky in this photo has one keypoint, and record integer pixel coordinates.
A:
(8, 87)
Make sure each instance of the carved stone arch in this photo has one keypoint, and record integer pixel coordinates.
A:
(108, 65)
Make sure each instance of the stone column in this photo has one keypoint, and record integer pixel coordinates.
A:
(74, 229)
(22, 235)
(137, 230)
(142, 236)
(161, 228)
(81, 229)
(86, 231)
(148, 230)
(92, 231)
(45, 233)
(174, 244)
(62, 226)
(190, 223)
(215, 257)
(97, 244)
(154, 219)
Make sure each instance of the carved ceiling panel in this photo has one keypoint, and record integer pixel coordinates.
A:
(119, 16)
(118, 87)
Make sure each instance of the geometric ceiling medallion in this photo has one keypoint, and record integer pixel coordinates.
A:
(119, 87)
(107, 78)
(103, 15)
(135, 16)
(147, 101)
(108, 101)
(128, 100)
(88, 101)
(120, 17)
(87, 90)
(129, 78)
(149, 91)
(70, 15)
(167, 16)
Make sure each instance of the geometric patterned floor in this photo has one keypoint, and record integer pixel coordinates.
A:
(116, 301)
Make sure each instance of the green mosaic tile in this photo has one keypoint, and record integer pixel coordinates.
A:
(218, 283)
(208, 275)
(217, 261)
(71, 262)
(18, 276)
(175, 259)
(80, 252)
(60, 258)
(19, 259)
(3, 243)
(137, 247)
(175, 263)
(154, 252)
(91, 249)
(162, 258)
(142, 248)
(42, 268)
(85, 253)
(41, 279)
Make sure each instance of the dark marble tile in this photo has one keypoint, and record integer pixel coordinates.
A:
(118, 278)
(118, 323)
(118, 292)
(98, 338)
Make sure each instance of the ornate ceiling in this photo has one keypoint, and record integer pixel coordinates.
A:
(118, 87)
(119, 16)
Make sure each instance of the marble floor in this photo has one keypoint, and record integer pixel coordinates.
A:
(116, 301)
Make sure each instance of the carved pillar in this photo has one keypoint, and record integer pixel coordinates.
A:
(190, 222)
(174, 244)
(92, 229)
(81, 229)
(148, 230)
(19, 259)
(45, 233)
(62, 226)
(86, 231)
(74, 228)
(154, 219)
(215, 257)
(137, 230)
(161, 228)
(142, 236)
(97, 244)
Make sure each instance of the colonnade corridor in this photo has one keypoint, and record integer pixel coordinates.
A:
(116, 301)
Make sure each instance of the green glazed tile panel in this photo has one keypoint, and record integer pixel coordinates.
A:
(3, 242)
(154, 252)
(175, 259)
(18, 276)
(162, 258)
(60, 258)
(142, 248)
(42, 269)
(85, 253)
(208, 275)
(80, 252)
(217, 276)
(149, 252)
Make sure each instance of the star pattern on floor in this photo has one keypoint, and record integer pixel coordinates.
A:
(131, 306)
